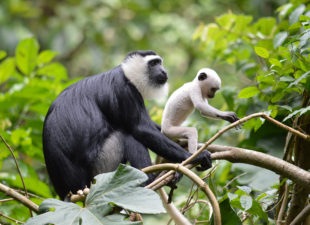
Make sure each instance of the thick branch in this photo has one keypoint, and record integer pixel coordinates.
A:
(25, 201)
(272, 163)
(201, 184)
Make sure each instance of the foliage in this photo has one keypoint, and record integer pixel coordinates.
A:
(273, 56)
(119, 188)
(29, 82)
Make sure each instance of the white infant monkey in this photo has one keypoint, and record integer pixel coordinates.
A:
(188, 97)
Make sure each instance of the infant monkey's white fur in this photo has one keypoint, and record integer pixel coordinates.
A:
(188, 97)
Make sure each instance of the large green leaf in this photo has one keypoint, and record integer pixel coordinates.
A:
(120, 187)
(26, 55)
(68, 213)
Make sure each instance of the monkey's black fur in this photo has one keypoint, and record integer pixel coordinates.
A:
(85, 115)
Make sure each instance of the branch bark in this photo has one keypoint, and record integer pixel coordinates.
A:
(201, 184)
(25, 201)
(175, 214)
(279, 166)
(301, 216)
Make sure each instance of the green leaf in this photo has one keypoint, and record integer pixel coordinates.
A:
(26, 55)
(304, 39)
(248, 92)
(232, 196)
(305, 75)
(300, 111)
(2, 54)
(46, 56)
(246, 189)
(228, 215)
(246, 202)
(7, 68)
(226, 20)
(275, 62)
(55, 70)
(265, 25)
(277, 97)
(122, 187)
(68, 213)
(294, 16)
(262, 52)
(279, 39)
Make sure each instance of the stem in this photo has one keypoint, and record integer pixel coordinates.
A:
(10, 218)
(16, 163)
(21, 198)
(201, 184)
(301, 216)
(175, 214)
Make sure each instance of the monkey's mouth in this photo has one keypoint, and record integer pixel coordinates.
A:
(161, 79)
(210, 95)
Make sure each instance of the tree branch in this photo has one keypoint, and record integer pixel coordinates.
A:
(175, 214)
(272, 163)
(301, 216)
(201, 184)
(25, 201)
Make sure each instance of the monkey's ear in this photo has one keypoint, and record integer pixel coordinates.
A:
(202, 76)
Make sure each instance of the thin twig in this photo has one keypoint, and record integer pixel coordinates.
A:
(10, 218)
(201, 184)
(21, 198)
(17, 167)
(30, 194)
(7, 200)
(283, 205)
(235, 178)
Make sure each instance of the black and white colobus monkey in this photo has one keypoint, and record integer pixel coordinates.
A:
(101, 121)
(193, 95)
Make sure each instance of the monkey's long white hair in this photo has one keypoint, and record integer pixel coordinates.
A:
(135, 69)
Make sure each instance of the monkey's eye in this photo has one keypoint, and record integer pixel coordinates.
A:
(202, 76)
(154, 62)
